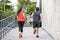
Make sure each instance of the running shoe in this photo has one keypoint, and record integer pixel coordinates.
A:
(37, 36)
(20, 35)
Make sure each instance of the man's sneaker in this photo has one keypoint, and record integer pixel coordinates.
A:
(20, 36)
(34, 31)
(37, 36)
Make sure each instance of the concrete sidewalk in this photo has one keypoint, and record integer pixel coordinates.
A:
(27, 35)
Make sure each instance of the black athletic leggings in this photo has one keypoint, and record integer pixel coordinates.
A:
(21, 24)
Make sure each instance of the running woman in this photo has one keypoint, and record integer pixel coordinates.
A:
(21, 19)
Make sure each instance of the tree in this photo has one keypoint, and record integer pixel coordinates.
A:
(8, 8)
(30, 8)
(26, 5)
(22, 3)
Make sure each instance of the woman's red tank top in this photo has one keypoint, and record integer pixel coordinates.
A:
(20, 16)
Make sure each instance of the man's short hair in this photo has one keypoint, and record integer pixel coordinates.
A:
(37, 8)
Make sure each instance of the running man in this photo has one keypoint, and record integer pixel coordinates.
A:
(36, 21)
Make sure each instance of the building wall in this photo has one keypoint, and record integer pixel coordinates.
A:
(56, 20)
(47, 11)
(51, 17)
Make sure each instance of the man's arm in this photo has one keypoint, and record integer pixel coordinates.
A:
(40, 16)
(32, 14)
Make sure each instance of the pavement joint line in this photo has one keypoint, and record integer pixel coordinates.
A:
(48, 33)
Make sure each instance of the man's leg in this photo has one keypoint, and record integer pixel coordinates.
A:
(37, 34)
(37, 30)
(34, 30)
(34, 27)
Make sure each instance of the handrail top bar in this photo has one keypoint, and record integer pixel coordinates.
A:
(7, 17)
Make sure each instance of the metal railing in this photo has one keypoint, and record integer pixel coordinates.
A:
(6, 25)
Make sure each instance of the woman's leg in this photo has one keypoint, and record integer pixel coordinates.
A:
(22, 24)
(20, 29)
